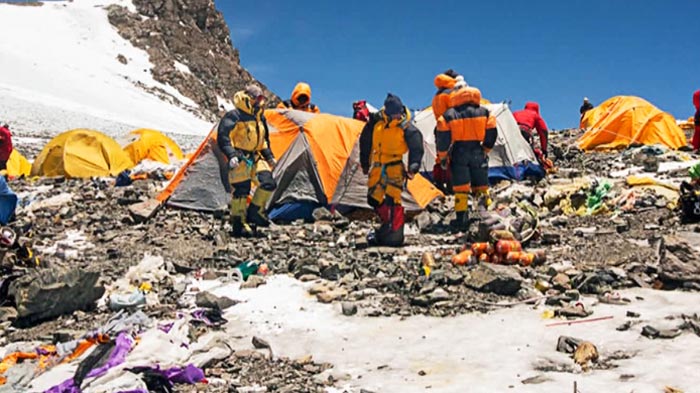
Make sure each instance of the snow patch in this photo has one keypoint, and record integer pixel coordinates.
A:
(182, 68)
(227, 104)
(72, 67)
(476, 352)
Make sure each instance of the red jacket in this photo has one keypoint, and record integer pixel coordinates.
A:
(5, 144)
(696, 135)
(530, 119)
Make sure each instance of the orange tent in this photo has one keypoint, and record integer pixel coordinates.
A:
(624, 120)
(318, 161)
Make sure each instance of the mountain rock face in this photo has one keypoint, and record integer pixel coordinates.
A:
(189, 44)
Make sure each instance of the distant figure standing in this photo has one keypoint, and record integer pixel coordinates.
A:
(5, 146)
(587, 106)
(300, 100)
(360, 111)
(696, 135)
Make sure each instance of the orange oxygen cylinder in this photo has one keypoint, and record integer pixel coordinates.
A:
(503, 247)
(481, 248)
(513, 257)
(463, 258)
(527, 258)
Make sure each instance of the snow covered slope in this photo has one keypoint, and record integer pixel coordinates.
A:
(59, 70)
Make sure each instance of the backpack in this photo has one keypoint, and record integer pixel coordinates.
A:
(689, 203)
(360, 111)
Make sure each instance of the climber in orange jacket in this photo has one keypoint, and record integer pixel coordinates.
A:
(466, 133)
(301, 99)
(446, 83)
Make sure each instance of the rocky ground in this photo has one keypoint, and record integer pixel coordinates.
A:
(88, 225)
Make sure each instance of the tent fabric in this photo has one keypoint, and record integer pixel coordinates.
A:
(511, 158)
(152, 145)
(18, 165)
(81, 153)
(624, 120)
(316, 155)
(8, 202)
(202, 183)
(324, 157)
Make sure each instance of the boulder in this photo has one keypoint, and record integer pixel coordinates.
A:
(45, 294)
(498, 279)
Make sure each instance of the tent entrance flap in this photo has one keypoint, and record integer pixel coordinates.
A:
(296, 175)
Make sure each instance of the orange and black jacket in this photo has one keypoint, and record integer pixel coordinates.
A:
(293, 103)
(441, 100)
(466, 124)
(384, 141)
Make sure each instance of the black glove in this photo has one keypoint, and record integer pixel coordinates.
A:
(414, 168)
(443, 163)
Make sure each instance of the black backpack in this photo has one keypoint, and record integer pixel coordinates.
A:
(689, 202)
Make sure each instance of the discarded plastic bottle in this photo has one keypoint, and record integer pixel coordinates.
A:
(246, 269)
(121, 301)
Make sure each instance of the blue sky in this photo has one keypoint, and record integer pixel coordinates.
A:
(553, 52)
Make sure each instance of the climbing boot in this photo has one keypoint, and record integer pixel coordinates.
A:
(256, 210)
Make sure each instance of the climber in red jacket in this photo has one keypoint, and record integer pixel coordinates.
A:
(5, 146)
(529, 120)
(696, 135)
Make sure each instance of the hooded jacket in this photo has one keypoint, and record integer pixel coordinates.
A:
(243, 131)
(5, 144)
(384, 140)
(300, 89)
(529, 119)
(466, 123)
(441, 101)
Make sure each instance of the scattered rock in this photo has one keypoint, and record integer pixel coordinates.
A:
(253, 281)
(651, 332)
(499, 279)
(143, 211)
(209, 300)
(45, 294)
(8, 314)
(536, 380)
(349, 309)
(122, 59)
(332, 295)
(585, 353)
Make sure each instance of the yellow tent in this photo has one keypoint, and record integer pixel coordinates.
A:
(624, 120)
(18, 165)
(152, 145)
(81, 153)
